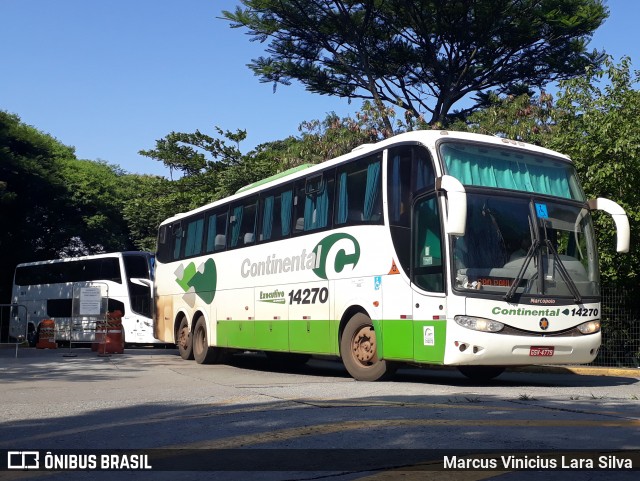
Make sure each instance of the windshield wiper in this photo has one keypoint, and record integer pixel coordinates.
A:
(563, 272)
(527, 260)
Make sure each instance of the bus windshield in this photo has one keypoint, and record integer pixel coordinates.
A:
(525, 246)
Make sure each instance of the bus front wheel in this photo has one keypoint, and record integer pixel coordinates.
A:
(184, 341)
(202, 352)
(359, 351)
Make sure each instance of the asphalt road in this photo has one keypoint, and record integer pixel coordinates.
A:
(311, 418)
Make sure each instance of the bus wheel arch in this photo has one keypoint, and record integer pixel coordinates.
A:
(183, 337)
(359, 347)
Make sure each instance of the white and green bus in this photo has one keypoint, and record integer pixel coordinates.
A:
(431, 247)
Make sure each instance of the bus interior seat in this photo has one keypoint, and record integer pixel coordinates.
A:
(220, 241)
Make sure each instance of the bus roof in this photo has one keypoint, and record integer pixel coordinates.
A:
(80, 258)
(429, 138)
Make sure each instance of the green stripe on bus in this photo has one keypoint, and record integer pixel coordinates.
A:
(398, 339)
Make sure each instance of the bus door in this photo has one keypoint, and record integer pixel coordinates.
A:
(427, 278)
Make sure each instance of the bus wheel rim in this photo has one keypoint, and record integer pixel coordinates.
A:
(363, 345)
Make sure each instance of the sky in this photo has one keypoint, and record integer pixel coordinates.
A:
(110, 77)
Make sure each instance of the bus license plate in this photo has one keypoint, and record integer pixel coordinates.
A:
(541, 351)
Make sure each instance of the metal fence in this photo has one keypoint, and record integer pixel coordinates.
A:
(620, 329)
(13, 331)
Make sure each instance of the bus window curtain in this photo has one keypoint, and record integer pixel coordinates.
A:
(343, 199)
(507, 174)
(286, 202)
(316, 209)
(372, 189)
(267, 218)
(322, 207)
(395, 190)
(211, 233)
(237, 224)
(193, 245)
(177, 246)
(309, 212)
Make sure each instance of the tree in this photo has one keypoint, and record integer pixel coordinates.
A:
(150, 200)
(593, 120)
(421, 55)
(597, 125)
(96, 198)
(33, 196)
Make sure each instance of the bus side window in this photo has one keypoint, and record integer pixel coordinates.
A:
(359, 192)
(428, 270)
(193, 236)
(176, 235)
(164, 244)
(275, 209)
(242, 224)
(216, 231)
(314, 201)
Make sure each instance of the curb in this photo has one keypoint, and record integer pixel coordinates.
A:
(580, 370)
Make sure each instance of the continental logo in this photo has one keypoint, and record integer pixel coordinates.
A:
(528, 312)
(334, 255)
(330, 257)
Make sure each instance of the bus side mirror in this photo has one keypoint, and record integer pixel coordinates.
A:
(457, 204)
(619, 217)
(141, 281)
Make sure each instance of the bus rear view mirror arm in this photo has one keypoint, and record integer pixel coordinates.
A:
(619, 217)
(141, 281)
(456, 202)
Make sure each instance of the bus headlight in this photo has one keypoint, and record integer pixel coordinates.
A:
(590, 327)
(479, 324)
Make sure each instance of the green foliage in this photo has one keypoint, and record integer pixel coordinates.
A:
(96, 198)
(187, 152)
(594, 120)
(150, 200)
(420, 55)
(48, 200)
(597, 125)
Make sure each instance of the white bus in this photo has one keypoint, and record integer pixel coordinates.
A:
(431, 247)
(46, 290)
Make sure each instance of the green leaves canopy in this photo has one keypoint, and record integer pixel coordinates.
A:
(421, 55)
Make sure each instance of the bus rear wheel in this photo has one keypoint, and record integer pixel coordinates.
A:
(202, 352)
(359, 351)
(184, 341)
(481, 373)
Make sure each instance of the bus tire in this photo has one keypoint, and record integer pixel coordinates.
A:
(202, 352)
(184, 341)
(481, 373)
(359, 351)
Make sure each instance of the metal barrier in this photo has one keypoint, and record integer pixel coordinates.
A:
(14, 325)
